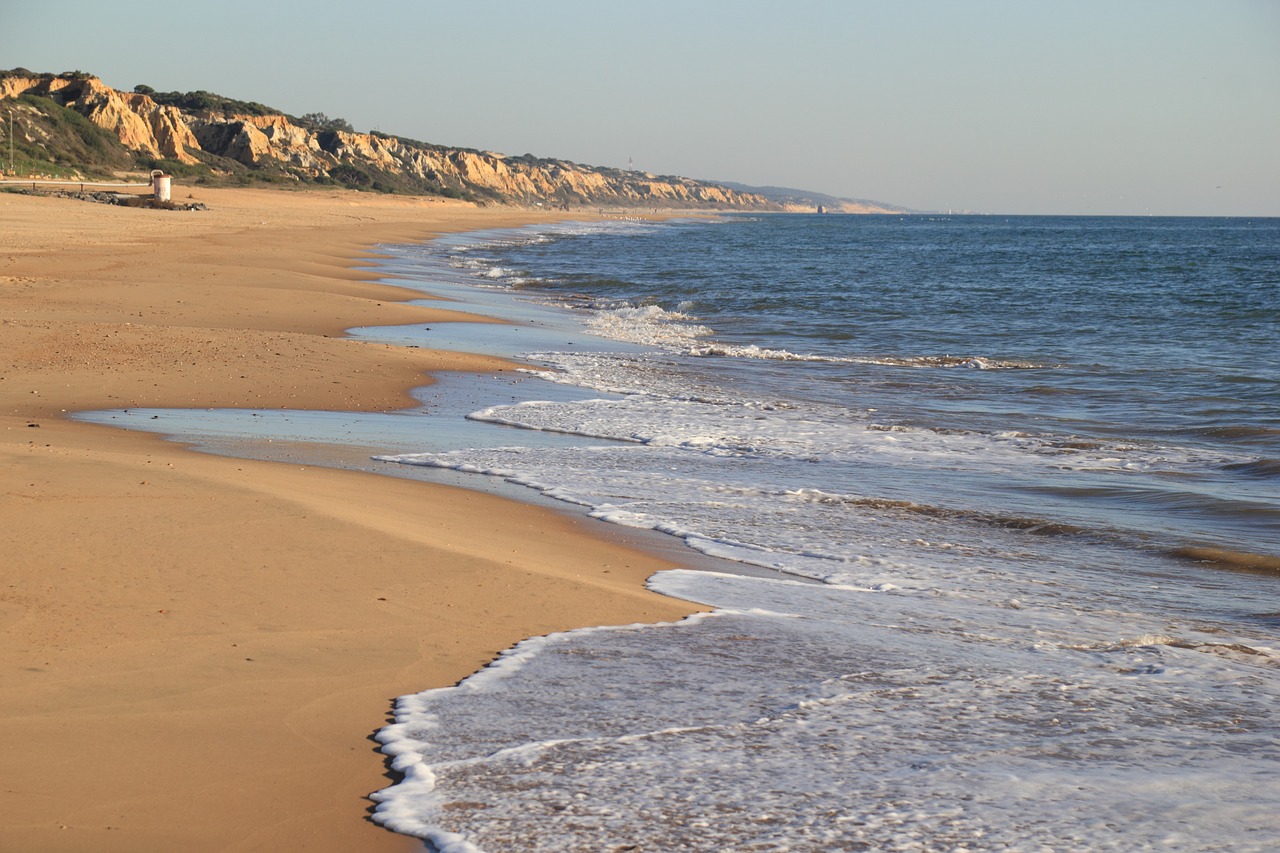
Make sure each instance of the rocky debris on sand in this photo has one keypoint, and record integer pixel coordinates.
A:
(122, 199)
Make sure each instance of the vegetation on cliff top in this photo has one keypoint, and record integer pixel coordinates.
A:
(202, 101)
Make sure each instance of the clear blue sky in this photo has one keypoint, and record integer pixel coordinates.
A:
(997, 106)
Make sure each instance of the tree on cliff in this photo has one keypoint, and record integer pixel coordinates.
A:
(320, 121)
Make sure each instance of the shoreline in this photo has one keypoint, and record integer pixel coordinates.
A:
(202, 646)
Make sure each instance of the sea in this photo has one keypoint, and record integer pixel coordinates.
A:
(986, 510)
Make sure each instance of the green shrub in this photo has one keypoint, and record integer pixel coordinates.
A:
(320, 121)
(351, 177)
(59, 135)
(210, 102)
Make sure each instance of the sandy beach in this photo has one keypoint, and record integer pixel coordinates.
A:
(197, 649)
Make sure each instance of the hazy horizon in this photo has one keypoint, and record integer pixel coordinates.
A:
(994, 106)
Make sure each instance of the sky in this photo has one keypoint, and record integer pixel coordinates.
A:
(1133, 107)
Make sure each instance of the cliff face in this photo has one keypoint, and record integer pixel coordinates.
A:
(298, 151)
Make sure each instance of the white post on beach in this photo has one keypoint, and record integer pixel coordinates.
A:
(160, 184)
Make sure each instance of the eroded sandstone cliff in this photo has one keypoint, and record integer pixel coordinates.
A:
(287, 148)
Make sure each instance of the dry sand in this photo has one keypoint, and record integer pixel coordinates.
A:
(196, 649)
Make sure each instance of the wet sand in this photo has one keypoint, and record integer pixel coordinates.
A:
(196, 648)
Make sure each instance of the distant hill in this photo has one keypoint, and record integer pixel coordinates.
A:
(72, 125)
(807, 201)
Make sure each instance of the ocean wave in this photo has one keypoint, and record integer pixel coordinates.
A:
(648, 325)
(679, 331)
(1125, 644)
(1262, 468)
(925, 361)
(1026, 524)
(1233, 432)
(672, 410)
(1145, 641)
(972, 362)
(752, 351)
(1241, 561)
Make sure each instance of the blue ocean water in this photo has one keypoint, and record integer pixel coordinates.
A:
(1160, 331)
(1032, 464)
(1011, 488)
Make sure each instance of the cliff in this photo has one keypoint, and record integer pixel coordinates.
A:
(205, 135)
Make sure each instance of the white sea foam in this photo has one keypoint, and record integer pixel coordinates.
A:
(666, 406)
(677, 331)
(732, 477)
(753, 351)
(813, 717)
(649, 325)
